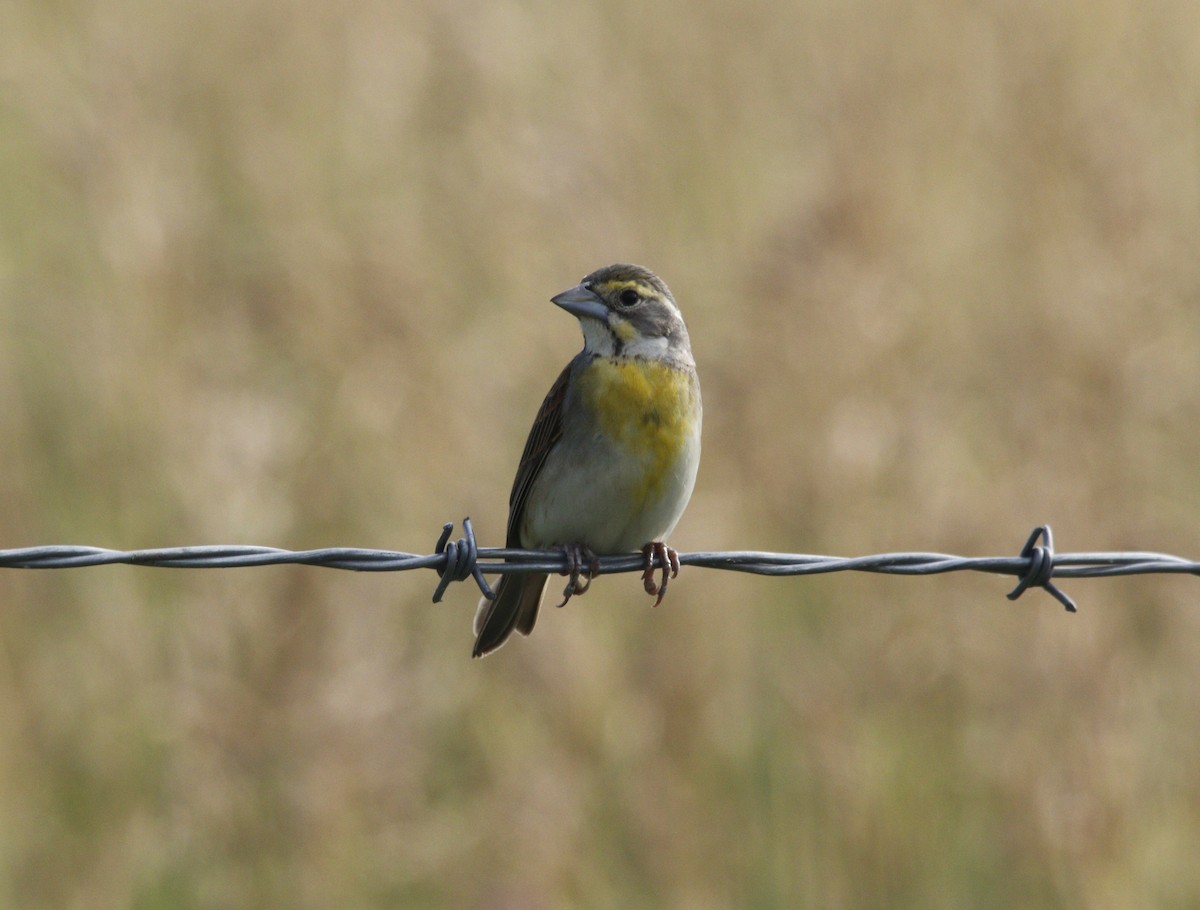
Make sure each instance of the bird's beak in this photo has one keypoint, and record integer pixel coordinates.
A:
(582, 302)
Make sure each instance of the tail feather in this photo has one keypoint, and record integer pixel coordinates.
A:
(515, 607)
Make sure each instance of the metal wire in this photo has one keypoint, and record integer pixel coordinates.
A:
(1036, 566)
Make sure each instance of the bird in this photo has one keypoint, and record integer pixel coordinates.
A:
(611, 459)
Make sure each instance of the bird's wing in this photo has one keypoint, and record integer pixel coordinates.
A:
(544, 435)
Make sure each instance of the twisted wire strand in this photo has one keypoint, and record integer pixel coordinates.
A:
(1036, 566)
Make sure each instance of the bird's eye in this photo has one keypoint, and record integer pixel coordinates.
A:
(629, 297)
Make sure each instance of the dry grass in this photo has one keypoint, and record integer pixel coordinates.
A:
(277, 272)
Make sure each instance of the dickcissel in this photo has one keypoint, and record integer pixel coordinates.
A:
(611, 459)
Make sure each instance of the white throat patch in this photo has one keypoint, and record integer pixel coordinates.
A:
(650, 348)
(597, 338)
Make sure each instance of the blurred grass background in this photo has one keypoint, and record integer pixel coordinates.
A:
(277, 272)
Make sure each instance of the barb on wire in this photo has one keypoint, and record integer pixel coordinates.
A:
(1037, 565)
(462, 561)
(1041, 568)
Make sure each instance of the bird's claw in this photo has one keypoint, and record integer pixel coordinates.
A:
(579, 575)
(668, 558)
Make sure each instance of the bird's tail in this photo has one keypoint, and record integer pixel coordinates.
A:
(518, 597)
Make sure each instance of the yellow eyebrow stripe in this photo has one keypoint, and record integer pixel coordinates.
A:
(642, 288)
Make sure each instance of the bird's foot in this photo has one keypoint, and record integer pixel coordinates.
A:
(668, 559)
(582, 566)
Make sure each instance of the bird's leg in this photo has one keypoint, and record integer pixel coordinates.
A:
(580, 579)
(669, 560)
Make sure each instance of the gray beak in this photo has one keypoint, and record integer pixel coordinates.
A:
(583, 303)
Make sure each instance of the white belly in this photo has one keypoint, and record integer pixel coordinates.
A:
(593, 494)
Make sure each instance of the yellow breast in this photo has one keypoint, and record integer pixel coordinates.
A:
(649, 409)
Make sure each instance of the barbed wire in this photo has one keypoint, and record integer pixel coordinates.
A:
(1036, 566)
